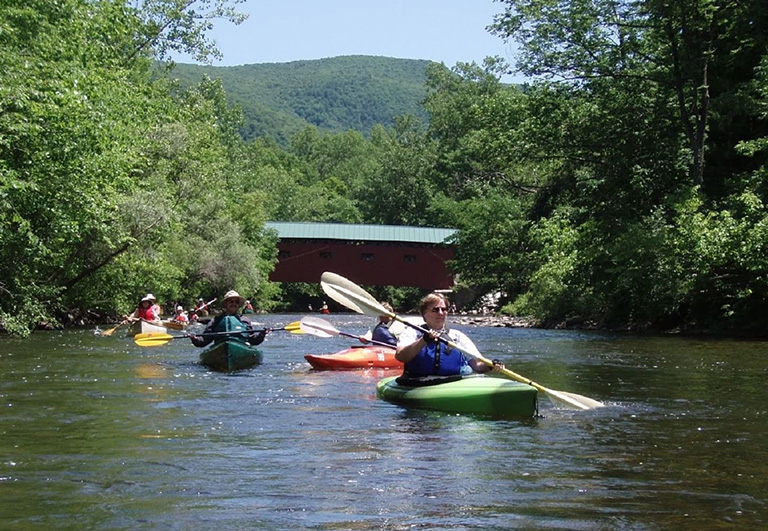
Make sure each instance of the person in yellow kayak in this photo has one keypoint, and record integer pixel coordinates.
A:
(230, 321)
(181, 316)
(425, 355)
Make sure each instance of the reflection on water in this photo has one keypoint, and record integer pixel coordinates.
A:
(98, 433)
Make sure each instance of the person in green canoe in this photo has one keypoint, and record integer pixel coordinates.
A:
(229, 321)
(424, 355)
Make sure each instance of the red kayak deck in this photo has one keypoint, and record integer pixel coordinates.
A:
(371, 357)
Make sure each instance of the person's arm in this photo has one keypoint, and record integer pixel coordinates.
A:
(257, 338)
(254, 338)
(201, 341)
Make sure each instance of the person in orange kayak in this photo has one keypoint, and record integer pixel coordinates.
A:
(425, 355)
(381, 333)
(230, 321)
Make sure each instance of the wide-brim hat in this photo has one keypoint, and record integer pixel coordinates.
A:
(232, 294)
(149, 297)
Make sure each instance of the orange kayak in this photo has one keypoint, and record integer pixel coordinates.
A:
(371, 357)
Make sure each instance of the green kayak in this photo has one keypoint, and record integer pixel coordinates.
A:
(230, 355)
(474, 394)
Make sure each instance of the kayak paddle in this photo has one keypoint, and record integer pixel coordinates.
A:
(154, 339)
(112, 330)
(355, 298)
(322, 328)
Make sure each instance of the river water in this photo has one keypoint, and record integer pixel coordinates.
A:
(99, 433)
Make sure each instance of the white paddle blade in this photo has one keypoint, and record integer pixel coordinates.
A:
(572, 400)
(317, 327)
(338, 280)
(354, 301)
(351, 295)
(332, 292)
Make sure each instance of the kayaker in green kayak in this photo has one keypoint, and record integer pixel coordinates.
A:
(424, 355)
(230, 321)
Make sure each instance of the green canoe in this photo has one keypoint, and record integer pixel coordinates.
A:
(230, 355)
(474, 394)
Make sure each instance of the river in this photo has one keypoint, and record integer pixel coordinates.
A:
(99, 433)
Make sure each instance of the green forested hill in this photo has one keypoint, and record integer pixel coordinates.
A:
(335, 94)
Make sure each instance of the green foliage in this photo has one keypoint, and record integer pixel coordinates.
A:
(99, 164)
(552, 293)
(400, 191)
(626, 186)
(181, 25)
(333, 95)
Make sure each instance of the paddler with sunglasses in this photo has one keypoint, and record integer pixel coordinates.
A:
(424, 355)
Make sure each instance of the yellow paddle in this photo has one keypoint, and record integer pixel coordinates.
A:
(155, 339)
(355, 298)
(112, 330)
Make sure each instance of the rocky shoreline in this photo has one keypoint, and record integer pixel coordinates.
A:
(498, 321)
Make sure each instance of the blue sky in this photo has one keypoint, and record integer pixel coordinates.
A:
(279, 31)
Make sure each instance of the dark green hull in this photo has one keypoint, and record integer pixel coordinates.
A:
(230, 355)
(477, 395)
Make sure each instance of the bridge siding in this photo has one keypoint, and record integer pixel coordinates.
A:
(425, 268)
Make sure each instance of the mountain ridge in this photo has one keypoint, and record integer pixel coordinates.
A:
(333, 94)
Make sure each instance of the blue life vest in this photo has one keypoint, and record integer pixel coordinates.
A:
(230, 323)
(382, 334)
(437, 359)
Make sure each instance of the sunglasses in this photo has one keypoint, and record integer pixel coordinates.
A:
(438, 309)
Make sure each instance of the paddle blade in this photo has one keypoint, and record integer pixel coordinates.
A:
(572, 400)
(111, 330)
(351, 295)
(152, 339)
(318, 327)
(294, 328)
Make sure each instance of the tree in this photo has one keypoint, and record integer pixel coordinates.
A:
(181, 26)
(694, 55)
(91, 180)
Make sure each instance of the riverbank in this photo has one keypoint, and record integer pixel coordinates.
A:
(498, 321)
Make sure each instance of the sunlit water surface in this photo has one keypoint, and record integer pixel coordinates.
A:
(99, 433)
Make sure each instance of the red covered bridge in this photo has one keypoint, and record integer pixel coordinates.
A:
(374, 255)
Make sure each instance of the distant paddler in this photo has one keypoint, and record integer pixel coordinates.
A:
(181, 316)
(202, 307)
(147, 309)
(230, 322)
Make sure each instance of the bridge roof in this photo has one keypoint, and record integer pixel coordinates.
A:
(352, 232)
